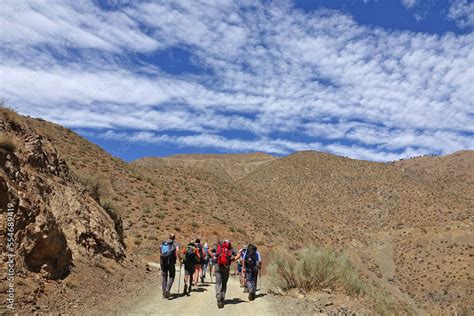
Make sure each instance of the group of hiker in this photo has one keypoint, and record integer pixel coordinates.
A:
(197, 258)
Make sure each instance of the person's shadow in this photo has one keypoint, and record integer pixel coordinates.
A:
(235, 301)
(174, 296)
(260, 295)
(204, 284)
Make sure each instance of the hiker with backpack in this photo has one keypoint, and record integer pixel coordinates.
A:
(240, 267)
(189, 257)
(198, 267)
(205, 261)
(223, 257)
(252, 263)
(212, 263)
(169, 250)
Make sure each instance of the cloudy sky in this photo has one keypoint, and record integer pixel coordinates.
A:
(368, 79)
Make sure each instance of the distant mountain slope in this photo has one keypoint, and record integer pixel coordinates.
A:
(454, 173)
(228, 167)
(367, 207)
(358, 192)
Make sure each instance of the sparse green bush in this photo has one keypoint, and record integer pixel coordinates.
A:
(313, 269)
(7, 143)
(160, 215)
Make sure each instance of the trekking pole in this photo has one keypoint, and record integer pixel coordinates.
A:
(233, 277)
(179, 278)
(260, 277)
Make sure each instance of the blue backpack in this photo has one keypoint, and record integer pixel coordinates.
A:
(167, 249)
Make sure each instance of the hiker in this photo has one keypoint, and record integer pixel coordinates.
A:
(169, 251)
(189, 257)
(252, 264)
(205, 261)
(212, 264)
(198, 267)
(223, 257)
(240, 271)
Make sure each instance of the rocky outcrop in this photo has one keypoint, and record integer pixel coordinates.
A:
(56, 220)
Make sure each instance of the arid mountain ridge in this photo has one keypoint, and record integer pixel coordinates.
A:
(407, 225)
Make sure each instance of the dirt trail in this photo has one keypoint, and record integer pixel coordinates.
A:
(202, 301)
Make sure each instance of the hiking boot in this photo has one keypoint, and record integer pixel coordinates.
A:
(220, 302)
(251, 296)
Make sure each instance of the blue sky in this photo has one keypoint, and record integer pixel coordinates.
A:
(368, 79)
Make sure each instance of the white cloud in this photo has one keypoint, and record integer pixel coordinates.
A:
(462, 12)
(76, 24)
(409, 3)
(310, 78)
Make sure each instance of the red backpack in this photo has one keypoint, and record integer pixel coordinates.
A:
(224, 253)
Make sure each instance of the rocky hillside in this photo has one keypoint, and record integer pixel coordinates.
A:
(64, 234)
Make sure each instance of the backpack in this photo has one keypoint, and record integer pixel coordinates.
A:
(167, 249)
(201, 254)
(251, 258)
(224, 253)
(190, 255)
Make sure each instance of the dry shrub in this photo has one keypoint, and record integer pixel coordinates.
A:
(111, 209)
(13, 117)
(95, 184)
(8, 143)
(316, 268)
(313, 269)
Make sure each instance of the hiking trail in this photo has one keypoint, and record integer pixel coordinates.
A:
(202, 300)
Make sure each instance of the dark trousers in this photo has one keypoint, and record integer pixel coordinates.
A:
(168, 272)
(252, 281)
(222, 276)
(189, 270)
